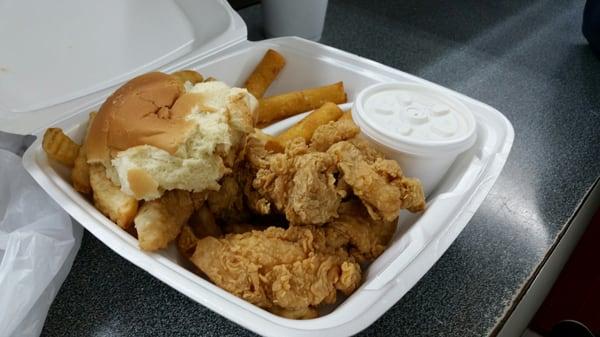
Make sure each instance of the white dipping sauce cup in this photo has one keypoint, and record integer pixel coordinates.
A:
(420, 127)
(303, 18)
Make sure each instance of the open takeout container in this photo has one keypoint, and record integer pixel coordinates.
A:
(74, 54)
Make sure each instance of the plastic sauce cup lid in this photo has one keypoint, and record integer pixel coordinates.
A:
(414, 118)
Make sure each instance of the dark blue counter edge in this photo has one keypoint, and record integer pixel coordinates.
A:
(533, 293)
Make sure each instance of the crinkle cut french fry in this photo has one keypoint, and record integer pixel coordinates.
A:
(307, 126)
(188, 75)
(60, 147)
(80, 175)
(274, 108)
(160, 221)
(265, 73)
(110, 200)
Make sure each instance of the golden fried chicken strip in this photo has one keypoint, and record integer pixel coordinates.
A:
(369, 153)
(333, 132)
(300, 184)
(237, 262)
(354, 230)
(413, 197)
(159, 221)
(313, 197)
(256, 157)
(108, 198)
(284, 270)
(380, 185)
(312, 281)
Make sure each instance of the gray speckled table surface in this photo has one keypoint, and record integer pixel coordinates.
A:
(529, 60)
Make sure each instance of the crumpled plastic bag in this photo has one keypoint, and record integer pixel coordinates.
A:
(15, 143)
(38, 243)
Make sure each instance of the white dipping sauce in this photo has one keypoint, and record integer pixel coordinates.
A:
(415, 115)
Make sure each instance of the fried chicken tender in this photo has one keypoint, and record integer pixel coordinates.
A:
(289, 271)
(292, 271)
(333, 132)
(379, 183)
(313, 198)
(256, 157)
(354, 230)
(300, 184)
(159, 221)
(413, 197)
(366, 149)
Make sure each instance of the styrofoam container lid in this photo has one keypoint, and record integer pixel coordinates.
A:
(56, 52)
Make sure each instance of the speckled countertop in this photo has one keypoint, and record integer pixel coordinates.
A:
(529, 60)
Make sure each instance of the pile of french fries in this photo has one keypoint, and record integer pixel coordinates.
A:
(322, 100)
(174, 208)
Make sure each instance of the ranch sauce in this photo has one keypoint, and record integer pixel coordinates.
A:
(415, 115)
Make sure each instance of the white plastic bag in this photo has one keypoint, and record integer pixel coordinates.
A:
(38, 244)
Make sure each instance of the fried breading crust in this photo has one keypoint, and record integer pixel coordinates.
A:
(300, 184)
(355, 231)
(333, 132)
(289, 270)
(378, 182)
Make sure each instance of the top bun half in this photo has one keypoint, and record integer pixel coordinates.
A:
(142, 111)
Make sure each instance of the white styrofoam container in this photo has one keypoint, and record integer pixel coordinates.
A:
(419, 242)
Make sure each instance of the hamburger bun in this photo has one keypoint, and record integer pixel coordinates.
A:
(139, 113)
(154, 134)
